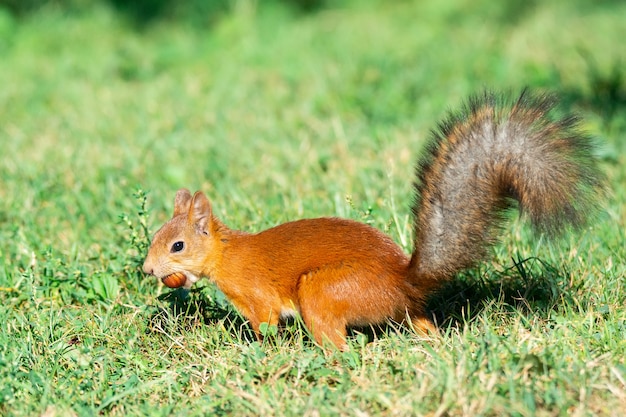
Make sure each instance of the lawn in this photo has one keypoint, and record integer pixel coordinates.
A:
(279, 114)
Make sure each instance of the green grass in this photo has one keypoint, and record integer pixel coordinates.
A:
(279, 115)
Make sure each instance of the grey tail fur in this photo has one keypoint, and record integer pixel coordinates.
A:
(481, 160)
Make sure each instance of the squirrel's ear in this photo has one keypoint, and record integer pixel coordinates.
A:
(200, 212)
(181, 202)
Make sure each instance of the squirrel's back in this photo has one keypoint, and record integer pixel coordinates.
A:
(327, 241)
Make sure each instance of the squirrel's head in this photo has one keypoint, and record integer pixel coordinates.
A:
(179, 251)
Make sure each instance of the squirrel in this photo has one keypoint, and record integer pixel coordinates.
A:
(335, 273)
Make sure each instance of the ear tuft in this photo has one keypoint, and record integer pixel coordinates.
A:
(200, 212)
(182, 202)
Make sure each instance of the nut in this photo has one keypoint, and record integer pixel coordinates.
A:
(175, 280)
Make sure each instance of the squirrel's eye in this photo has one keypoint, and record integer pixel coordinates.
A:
(177, 246)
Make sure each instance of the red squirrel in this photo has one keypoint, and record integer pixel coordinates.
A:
(337, 273)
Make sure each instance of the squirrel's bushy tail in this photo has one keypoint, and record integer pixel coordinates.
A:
(480, 161)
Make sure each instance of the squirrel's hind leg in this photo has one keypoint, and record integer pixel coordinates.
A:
(326, 329)
(422, 325)
(418, 321)
(320, 312)
(324, 325)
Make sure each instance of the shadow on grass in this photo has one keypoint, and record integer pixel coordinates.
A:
(182, 310)
(530, 287)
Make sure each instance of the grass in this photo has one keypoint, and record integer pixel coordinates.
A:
(279, 115)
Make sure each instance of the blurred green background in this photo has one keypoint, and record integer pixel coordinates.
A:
(282, 109)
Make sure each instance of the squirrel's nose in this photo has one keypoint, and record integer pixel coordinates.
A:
(148, 269)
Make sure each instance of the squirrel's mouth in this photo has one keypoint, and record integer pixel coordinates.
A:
(174, 280)
(180, 279)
